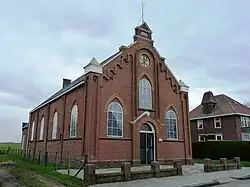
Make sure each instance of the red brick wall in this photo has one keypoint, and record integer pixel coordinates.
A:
(115, 150)
(122, 87)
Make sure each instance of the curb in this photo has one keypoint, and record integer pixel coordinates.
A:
(242, 178)
(205, 184)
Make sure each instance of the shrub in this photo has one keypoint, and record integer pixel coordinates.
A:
(219, 149)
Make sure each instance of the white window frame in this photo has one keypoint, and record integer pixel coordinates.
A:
(54, 126)
(73, 121)
(242, 134)
(167, 125)
(144, 84)
(32, 131)
(215, 134)
(41, 129)
(122, 128)
(245, 121)
(200, 123)
(217, 120)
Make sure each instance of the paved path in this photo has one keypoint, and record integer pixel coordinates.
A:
(187, 179)
(244, 183)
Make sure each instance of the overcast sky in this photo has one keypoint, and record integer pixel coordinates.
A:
(206, 43)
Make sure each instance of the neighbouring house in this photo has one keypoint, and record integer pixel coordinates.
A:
(24, 136)
(220, 117)
(130, 107)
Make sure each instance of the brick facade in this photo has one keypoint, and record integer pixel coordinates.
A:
(118, 82)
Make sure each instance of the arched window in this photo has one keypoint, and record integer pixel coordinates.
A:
(171, 125)
(115, 120)
(73, 121)
(32, 130)
(41, 129)
(145, 94)
(54, 128)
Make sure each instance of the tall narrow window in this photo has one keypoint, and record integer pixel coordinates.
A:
(171, 125)
(145, 94)
(41, 129)
(54, 129)
(73, 121)
(115, 120)
(32, 130)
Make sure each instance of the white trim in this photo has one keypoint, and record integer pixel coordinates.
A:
(151, 132)
(220, 115)
(217, 120)
(242, 134)
(144, 113)
(104, 64)
(215, 134)
(72, 88)
(200, 122)
(112, 136)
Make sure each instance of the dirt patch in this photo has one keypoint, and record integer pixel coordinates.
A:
(16, 178)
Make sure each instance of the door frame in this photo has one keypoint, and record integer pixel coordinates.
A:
(151, 132)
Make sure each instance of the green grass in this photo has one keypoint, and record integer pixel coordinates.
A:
(12, 145)
(242, 163)
(35, 175)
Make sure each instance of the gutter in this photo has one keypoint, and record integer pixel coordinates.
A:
(220, 115)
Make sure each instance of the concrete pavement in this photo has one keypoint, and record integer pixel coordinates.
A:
(190, 178)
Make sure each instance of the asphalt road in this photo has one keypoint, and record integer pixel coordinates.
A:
(237, 183)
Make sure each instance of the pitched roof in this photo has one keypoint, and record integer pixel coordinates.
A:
(72, 85)
(225, 106)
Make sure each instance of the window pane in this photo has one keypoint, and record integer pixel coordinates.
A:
(145, 94)
(115, 119)
(171, 125)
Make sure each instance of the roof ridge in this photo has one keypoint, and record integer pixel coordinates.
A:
(225, 97)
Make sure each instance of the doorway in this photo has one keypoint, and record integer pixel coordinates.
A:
(147, 143)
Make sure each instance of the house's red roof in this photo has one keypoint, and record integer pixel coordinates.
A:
(225, 105)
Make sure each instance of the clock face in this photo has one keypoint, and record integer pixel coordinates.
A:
(144, 60)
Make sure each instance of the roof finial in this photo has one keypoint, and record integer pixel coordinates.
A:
(142, 11)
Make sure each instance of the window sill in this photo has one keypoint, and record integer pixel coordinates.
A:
(73, 138)
(56, 139)
(113, 138)
(145, 109)
(172, 140)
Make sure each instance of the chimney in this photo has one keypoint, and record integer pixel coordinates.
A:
(66, 82)
(208, 102)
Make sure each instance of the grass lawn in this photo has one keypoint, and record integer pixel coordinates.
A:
(12, 145)
(242, 163)
(33, 175)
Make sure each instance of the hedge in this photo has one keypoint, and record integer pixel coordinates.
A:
(221, 149)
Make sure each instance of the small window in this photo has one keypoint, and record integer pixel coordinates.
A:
(73, 121)
(171, 125)
(245, 136)
(41, 129)
(115, 120)
(32, 130)
(200, 124)
(217, 123)
(245, 121)
(145, 94)
(202, 138)
(54, 128)
(219, 137)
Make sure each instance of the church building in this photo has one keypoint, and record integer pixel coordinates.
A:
(129, 107)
